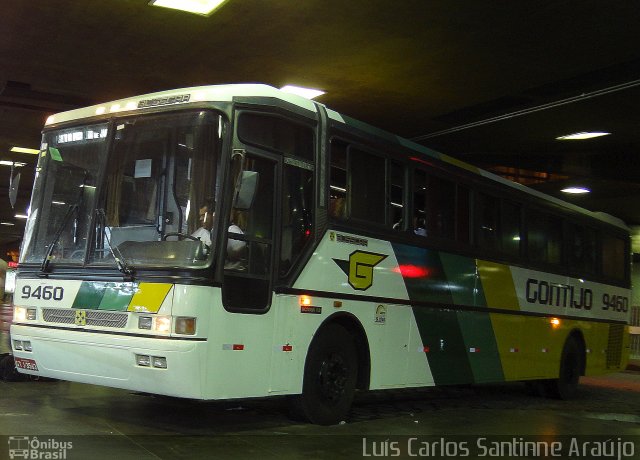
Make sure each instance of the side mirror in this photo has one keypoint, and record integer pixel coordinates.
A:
(247, 190)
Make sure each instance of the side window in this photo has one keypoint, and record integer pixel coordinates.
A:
(487, 219)
(441, 205)
(419, 224)
(614, 257)
(511, 231)
(582, 249)
(395, 201)
(544, 238)
(338, 180)
(297, 214)
(463, 215)
(276, 133)
(366, 190)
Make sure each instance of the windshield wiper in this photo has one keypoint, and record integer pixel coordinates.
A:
(121, 262)
(65, 220)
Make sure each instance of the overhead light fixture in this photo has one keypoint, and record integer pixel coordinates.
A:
(8, 224)
(309, 93)
(576, 190)
(25, 150)
(21, 216)
(17, 164)
(201, 7)
(582, 135)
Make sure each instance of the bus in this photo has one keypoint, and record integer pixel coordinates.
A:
(331, 257)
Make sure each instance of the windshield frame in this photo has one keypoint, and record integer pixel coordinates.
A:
(215, 147)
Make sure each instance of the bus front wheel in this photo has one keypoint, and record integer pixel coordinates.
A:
(566, 385)
(330, 375)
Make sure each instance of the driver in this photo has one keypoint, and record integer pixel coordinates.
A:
(205, 219)
(235, 248)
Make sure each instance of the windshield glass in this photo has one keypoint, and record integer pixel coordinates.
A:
(158, 175)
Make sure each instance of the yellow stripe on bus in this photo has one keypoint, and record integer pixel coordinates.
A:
(149, 297)
(497, 284)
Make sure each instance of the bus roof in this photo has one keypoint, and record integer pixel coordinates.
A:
(223, 93)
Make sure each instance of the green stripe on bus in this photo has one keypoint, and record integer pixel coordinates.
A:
(444, 345)
(481, 346)
(89, 295)
(103, 296)
(116, 298)
(432, 286)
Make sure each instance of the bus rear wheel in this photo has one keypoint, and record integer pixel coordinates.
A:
(566, 385)
(330, 375)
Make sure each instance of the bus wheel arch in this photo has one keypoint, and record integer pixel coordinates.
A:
(332, 372)
(572, 366)
(354, 327)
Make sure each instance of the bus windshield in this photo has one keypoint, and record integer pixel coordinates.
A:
(126, 193)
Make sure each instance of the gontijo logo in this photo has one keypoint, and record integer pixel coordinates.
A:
(359, 268)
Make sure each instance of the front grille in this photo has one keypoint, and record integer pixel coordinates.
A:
(614, 345)
(93, 317)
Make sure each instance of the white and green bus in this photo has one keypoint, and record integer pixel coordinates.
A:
(339, 258)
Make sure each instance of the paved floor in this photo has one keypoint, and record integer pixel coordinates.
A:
(115, 424)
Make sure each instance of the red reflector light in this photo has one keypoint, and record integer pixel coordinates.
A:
(237, 346)
(412, 271)
(287, 348)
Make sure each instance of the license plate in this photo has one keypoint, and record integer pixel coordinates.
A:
(26, 364)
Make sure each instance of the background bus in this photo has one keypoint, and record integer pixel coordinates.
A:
(366, 261)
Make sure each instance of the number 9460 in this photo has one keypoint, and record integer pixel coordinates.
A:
(42, 292)
(615, 303)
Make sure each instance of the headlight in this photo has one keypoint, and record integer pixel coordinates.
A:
(145, 322)
(22, 314)
(163, 324)
(19, 314)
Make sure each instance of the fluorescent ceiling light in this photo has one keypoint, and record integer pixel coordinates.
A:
(17, 164)
(309, 93)
(576, 190)
(202, 7)
(25, 150)
(8, 224)
(581, 136)
(21, 216)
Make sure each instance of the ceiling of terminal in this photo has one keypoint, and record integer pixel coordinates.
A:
(493, 83)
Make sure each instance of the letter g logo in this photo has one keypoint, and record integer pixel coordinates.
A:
(361, 265)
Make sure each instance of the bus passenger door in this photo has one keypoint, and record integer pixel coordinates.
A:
(248, 242)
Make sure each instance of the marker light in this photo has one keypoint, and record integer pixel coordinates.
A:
(304, 300)
(185, 325)
(555, 323)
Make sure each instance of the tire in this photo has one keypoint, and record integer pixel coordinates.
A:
(566, 385)
(330, 374)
